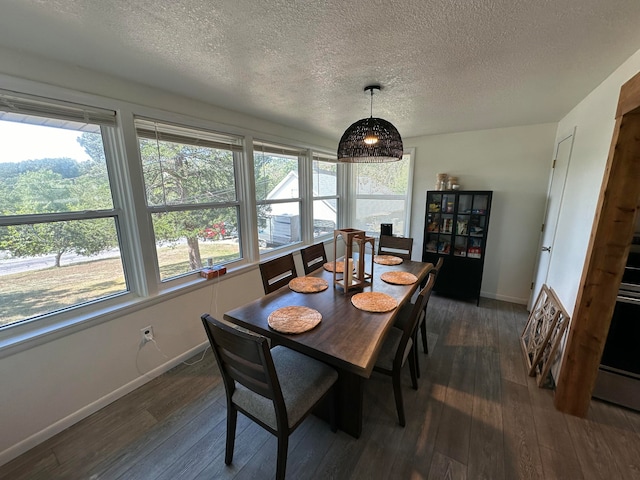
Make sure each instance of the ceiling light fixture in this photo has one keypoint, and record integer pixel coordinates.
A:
(370, 140)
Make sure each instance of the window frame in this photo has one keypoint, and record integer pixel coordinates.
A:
(407, 197)
(156, 129)
(262, 146)
(135, 233)
(338, 196)
(63, 113)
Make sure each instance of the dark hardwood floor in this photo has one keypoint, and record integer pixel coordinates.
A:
(475, 415)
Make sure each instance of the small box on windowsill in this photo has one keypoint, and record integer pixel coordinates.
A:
(214, 272)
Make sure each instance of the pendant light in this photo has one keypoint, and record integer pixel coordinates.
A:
(370, 140)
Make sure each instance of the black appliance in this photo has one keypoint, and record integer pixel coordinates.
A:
(618, 379)
(386, 229)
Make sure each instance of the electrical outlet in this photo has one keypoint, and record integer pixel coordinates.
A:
(147, 334)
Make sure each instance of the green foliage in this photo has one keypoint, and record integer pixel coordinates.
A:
(391, 177)
(183, 174)
(92, 144)
(56, 186)
(66, 167)
(270, 171)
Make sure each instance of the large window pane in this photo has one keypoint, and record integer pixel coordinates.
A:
(276, 176)
(371, 213)
(325, 217)
(276, 170)
(383, 178)
(325, 194)
(279, 225)
(190, 183)
(382, 195)
(325, 175)
(188, 238)
(179, 173)
(47, 267)
(59, 244)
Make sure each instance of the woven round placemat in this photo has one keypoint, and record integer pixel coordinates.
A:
(308, 284)
(295, 319)
(339, 266)
(399, 278)
(387, 260)
(374, 302)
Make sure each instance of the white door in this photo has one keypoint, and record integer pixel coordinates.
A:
(553, 208)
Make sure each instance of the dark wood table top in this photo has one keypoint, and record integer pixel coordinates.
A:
(346, 337)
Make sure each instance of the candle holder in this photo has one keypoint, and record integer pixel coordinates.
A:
(362, 277)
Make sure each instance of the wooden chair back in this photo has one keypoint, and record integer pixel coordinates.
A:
(416, 316)
(398, 246)
(313, 257)
(244, 357)
(436, 269)
(277, 272)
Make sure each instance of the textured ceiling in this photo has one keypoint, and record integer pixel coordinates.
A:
(445, 65)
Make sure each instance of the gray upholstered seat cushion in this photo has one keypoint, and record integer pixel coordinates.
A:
(390, 347)
(303, 381)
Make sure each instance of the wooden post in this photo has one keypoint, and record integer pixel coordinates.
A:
(605, 260)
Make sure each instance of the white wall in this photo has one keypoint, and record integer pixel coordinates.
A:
(594, 120)
(51, 386)
(513, 162)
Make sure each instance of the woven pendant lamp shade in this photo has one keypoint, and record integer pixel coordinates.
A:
(370, 140)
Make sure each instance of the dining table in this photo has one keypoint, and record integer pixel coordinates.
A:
(347, 338)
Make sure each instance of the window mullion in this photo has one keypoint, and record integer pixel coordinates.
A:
(190, 206)
(56, 217)
(138, 239)
(248, 208)
(306, 193)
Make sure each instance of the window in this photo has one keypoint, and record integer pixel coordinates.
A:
(190, 185)
(383, 195)
(278, 201)
(59, 224)
(325, 194)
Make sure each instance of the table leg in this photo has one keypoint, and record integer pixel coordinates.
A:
(350, 392)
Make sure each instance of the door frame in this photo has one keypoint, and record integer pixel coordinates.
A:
(545, 221)
(605, 260)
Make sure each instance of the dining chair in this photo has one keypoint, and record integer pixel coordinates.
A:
(422, 323)
(277, 272)
(313, 257)
(276, 388)
(399, 346)
(398, 246)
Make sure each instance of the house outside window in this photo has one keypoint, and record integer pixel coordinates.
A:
(383, 195)
(59, 220)
(325, 194)
(278, 200)
(190, 186)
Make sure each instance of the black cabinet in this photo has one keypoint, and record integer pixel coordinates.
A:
(456, 226)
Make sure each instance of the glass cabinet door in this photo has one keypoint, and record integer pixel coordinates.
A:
(440, 223)
(434, 219)
(456, 224)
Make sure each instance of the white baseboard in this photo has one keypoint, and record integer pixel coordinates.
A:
(505, 298)
(28, 443)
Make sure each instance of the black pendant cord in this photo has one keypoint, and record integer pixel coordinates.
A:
(371, 110)
(371, 88)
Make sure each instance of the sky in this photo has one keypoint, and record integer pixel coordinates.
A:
(21, 141)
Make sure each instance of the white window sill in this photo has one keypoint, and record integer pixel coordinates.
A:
(31, 333)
